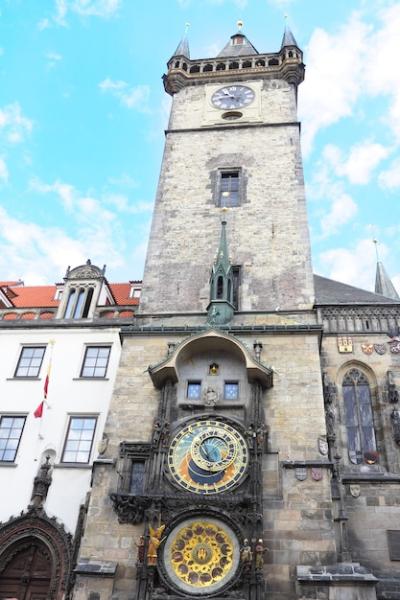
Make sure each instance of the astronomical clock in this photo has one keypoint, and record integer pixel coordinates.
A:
(196, 486)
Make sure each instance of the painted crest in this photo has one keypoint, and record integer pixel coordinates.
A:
(322, 446)
(316, 473)
(345, 345)
(355, 490)
(380, 348)
(367, 348)
(300, 473)
(394, 345)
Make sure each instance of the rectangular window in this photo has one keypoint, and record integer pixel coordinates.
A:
(231, 390)
(236, 286)
(229, 188)
(79, 440)
(10, 436)
(394, 544)
(95, 361)
(194, 390)
(30, 361)
(137, 478)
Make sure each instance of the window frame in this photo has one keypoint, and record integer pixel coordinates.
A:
(193, 382)
(87, 347)
(70, 419)
(358, 417)
(12, 416)
(222, 174)
(28, 347)
(230, 382)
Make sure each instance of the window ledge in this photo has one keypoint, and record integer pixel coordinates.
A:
(23, 379)
(83, 466)
(90, 379)
(6, 463)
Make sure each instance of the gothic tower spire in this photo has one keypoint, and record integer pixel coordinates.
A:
(383, 283)
(220, 310)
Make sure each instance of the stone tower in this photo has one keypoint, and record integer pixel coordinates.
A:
(215, 481)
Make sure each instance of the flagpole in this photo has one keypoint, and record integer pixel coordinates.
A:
(38, 413)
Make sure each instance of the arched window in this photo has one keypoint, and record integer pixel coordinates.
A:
(220, 287)
(79, 304)
(358, 414)
(70, 303)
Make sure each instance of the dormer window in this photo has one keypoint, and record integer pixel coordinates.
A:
(78, 304)
(238, 40)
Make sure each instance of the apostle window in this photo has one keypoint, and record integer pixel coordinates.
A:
(229, 188)
(79, 440)
(30, 361)
(359, 419)
(194, 390)
(10, 436)
(231, 390)
(95, 362)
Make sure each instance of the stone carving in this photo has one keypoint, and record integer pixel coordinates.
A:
(300, 473)
(316, 473)
(380, 348)
(259, 552)
(395, 416)
(367, 349)
(87, 271)
(154, 543)
(246, 556)
(330, 413)
(103, 444)
(394, 345)
(257, 349)
(130, 509)
(393, 392)
(210, 397)
(355, 490)
(345, 345)
(140, 551)
(41, 485)
(323, 446)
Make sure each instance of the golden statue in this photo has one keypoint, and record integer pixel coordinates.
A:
(154, 543)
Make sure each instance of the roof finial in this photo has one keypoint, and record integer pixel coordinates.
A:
(187, 26)
(376, 249)
(239, 25)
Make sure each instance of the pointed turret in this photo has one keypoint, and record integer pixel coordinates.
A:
(383, 283)
(288, 38)
(183, 48)
(221, 309)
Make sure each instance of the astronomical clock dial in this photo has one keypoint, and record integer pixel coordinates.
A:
(201, 555)
(233, 96)
(208, 457)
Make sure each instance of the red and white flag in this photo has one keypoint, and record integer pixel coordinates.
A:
(38, 414)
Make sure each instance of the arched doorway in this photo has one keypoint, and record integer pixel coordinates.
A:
(26, 572)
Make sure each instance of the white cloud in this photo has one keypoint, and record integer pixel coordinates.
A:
(353, 62)
(390, 179)
(3, 171)
(14, 125)
(342, 210)
(53, 58)
(355, 266)
(135, 97)
(64, 191)
(103, 9)
(360, 163)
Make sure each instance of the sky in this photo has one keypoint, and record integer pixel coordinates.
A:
(83, 113)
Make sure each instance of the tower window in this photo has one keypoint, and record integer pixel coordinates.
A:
(236, 285)
(229, 188)
(137, 478)
(358, 412)
(194, 390)
(220, 287)
(231, 390)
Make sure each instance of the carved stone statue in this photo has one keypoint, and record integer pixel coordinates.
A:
(393, 392)
(259, 551)
(154, 543)
(41, 484)
(140, 551)
(210, 397)
(246, 556)
(395, 416)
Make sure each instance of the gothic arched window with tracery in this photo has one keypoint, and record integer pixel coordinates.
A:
(358, 414)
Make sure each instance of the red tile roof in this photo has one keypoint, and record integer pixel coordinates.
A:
(42, 296)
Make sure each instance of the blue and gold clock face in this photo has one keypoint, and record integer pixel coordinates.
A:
(208, 457)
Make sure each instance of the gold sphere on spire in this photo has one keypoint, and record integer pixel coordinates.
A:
(239, 24)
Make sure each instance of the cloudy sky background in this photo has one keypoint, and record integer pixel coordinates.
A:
(82, 113)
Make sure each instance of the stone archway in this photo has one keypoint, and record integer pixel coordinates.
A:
(35, 558)
(27, 571)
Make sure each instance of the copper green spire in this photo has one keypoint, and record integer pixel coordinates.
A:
(220, 310)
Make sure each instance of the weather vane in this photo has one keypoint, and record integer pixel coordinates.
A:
(375, 241)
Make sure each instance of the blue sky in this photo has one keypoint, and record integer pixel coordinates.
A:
(82, 113)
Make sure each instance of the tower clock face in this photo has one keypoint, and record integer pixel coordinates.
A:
(233, 96)
(208, 457)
